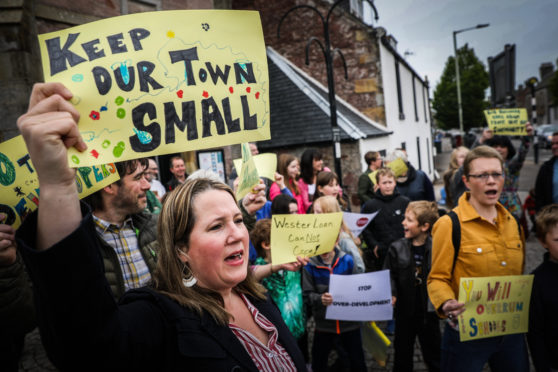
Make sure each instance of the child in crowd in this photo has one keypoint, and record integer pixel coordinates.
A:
(386, 227)
(315, 286)
(346, 242)
(543, 321)
(408, 260)
(327, 184)
(283, 285)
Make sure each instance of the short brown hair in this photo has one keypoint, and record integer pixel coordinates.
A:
(546, 220)
(383, 172)
(425, 211)
(171, 160)
(371, 156)
(261, 233)
(479, 152)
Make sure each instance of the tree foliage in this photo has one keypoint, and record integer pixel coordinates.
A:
(474, 82)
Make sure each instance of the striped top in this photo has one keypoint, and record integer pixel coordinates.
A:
(124, 241)
(268, 358)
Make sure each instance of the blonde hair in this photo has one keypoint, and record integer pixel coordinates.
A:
(453, 159)
(426, 212)
(546, 220)
(176, 222)
(329, 204)
(384, 172)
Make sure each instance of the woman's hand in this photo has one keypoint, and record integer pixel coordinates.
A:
(452, 309)
(327, 299)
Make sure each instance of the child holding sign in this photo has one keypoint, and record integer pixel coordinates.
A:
(408, 260)
(315, 286)
(543, 324)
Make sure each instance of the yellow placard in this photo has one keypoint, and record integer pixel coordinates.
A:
(19, 185)
(507, 122)
(266, 164)
(162, 82)
(248, 175)
(494, 306)
(304, 235)
(398, 167)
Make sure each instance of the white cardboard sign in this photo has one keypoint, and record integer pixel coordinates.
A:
(357, 222)
(360, 297)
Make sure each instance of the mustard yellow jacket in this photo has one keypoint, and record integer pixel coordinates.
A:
(486, 250)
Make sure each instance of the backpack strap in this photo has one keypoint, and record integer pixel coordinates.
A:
(455, 236)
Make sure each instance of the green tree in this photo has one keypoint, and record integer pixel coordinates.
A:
(474, 82)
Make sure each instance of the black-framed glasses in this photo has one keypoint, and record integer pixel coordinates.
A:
(484, 176)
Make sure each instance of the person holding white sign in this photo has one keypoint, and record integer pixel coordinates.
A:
(491, 244)
(315, 285)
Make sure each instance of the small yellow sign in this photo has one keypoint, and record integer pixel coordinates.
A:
(19, 185)
(304, 235)
(398, 167)
(266, 164)
(162, 82)
(494, 306)
(507, 122)
(248, 174)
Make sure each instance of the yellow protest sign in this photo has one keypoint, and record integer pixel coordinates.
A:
(248, 174)
(19, 185)
(398, 167)
(163, 82)
(494, 306)
(266, 164)
(507, 122)
(304, 235)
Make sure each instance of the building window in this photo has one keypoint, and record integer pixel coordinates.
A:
(415, 99)
(399, 97)
(428, 154)
(424, 103)
(403, 145)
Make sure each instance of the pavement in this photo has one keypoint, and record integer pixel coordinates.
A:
(34, 358)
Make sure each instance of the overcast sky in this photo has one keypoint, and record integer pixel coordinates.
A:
(425, 28)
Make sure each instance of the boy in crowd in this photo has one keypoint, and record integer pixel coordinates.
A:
(386, 227)
(543, 324)
(408, 260)
(328, 332)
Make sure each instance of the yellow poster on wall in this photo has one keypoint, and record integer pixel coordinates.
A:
(494, 306)
(19, 185)
(304, 235)
(163, 82)
(507, 122)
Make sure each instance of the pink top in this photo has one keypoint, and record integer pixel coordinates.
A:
(274, 190)
(271, 357)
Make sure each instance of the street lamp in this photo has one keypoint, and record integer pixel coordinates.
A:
(457, 81)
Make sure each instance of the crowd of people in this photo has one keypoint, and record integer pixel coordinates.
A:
(145, 276)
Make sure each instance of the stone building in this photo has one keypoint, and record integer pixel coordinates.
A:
(547, 109)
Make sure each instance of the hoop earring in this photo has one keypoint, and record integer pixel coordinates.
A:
(190, 280)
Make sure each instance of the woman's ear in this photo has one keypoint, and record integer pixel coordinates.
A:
(182, 255)
(266, 246)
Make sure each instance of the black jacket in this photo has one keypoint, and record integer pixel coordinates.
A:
(417, 186)
(401, 265)
(83, 328)
(543, 185)
(386, 227)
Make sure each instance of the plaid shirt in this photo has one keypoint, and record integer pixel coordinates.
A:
(125, 243)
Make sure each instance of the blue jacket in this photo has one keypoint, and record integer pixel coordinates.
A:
(315, 282)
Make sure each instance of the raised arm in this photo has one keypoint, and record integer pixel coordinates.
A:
(49, 128)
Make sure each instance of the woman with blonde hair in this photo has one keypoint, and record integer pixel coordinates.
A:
(329, 204)
(451, 182)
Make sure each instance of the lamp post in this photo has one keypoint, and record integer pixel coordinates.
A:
(457, 81)
(328, 53)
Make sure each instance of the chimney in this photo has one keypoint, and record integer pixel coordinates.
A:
(546, 69)
(392, 41)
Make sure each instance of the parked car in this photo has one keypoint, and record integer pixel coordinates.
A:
(545, 135)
